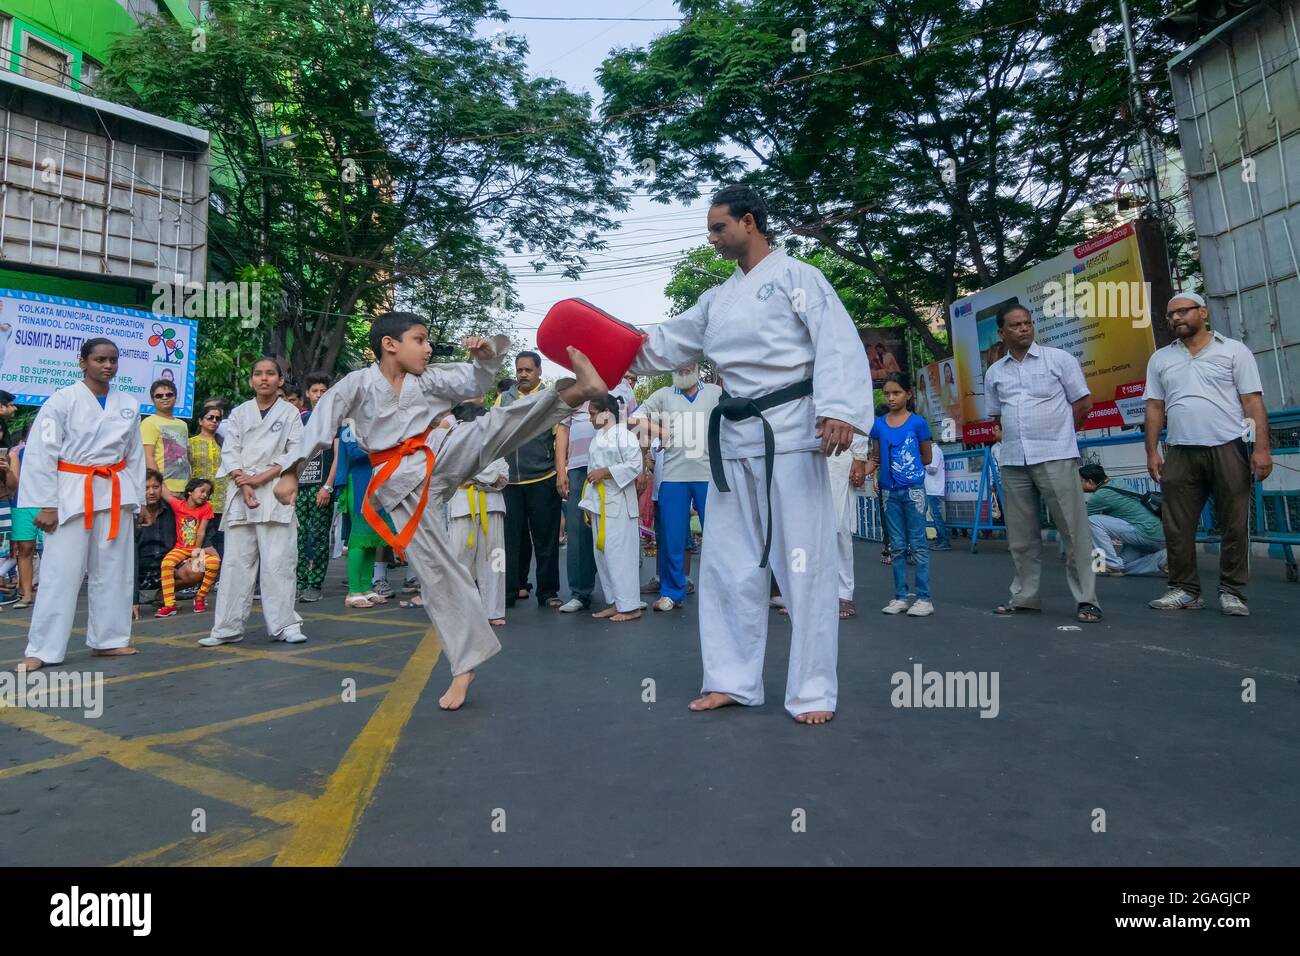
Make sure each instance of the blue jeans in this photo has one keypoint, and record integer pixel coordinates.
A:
(905, 517)
(942, 536)
(674, 513)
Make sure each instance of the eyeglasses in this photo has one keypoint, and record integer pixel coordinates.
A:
(1175, 313)
(164, 394)
(212, 418)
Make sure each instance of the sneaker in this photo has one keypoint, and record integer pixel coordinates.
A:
(1233, 605)
(651, 586)
(188, 593)
(411, 585)
(310, 595)
(10, 599)
(920, 609)
(211, 641)
(167, 610)
(666, 604)
(571, 606)
(690, 586)
(200, 605)
(1176, 599)
(291, 635)
(381, 587)
(896, 606)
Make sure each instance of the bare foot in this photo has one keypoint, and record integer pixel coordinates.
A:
(30, 664)
(523, 594)
(497, 621)
(608, 612)
(711, 701)
(455, 696)
(815, 717)
(115, 652)
(622, 616)
(587, 385)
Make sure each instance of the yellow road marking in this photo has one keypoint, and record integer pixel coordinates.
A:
(231, 846)
(325, 831)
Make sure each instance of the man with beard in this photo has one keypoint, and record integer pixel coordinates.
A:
(1206, 388)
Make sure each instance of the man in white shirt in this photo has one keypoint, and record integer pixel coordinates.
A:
(1206, 388)
(679, 416)
(936, 481)
(1038, 395)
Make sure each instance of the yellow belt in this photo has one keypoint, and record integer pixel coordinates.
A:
(478, 512)
(533, 481)
(600, 532)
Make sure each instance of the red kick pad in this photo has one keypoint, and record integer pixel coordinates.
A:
(610, 344)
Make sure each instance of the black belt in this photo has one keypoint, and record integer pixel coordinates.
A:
(742, 409)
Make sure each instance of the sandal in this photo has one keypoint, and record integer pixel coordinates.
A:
(1005, 610)
(416, 601)
(1088, 613)
(847, 609)
(357, 600)
(374, 597)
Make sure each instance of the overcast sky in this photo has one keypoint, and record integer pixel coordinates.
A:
(627, 280)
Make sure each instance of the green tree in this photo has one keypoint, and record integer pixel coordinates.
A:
(939, 145)
(369, 151)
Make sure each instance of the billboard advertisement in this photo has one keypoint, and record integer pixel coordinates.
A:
(1090, 301)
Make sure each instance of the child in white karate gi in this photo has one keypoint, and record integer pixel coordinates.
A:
(476, 517)
(610, 504)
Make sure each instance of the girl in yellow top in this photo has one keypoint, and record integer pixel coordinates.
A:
(205, 462)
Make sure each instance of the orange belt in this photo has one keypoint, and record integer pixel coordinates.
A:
(99, 471)
(390, 459)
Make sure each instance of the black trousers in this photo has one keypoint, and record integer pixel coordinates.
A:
(533, 516)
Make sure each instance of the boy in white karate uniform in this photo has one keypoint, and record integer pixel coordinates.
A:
(609, 500)
(799, 389)
(263, 438)
(418, 468)
(476, 517)
(84, 468)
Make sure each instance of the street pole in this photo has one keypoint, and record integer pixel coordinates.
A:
(1150, 177)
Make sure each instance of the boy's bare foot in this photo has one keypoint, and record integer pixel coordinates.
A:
(30, 664)
(622, 616)
(114, 652)
(497, 621)
(815, 717)
(587, 385)
(455, 696)
(608, 612)
(711, 701)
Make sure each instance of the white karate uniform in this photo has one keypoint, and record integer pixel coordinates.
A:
(777, 325)
(71, 427)
(619, 562)
(384, 419)
(838, 468)
(478, 534)
(261, 542)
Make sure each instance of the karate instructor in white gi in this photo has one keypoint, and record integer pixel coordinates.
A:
(798, 388)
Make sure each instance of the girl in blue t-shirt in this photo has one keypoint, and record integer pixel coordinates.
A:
(900, 449)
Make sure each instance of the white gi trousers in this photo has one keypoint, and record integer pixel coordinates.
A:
(71, 553)
(838, 467)
(479, 559)
(619, 565)
(265, 552)
(451, 598)
(733, 590)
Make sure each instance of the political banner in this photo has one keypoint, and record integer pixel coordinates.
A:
(40, 347)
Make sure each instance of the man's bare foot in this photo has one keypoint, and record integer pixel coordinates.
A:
(30, 664)
(608, 612)
(815, 717)
(455, 696)
(114, 652)
(587, 385)
(497, 621)
(711, 701)
(622, 616)
(522, 595)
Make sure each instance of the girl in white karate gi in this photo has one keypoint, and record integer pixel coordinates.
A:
(84, 468)
(263, 437)
(609, 500)
(476, 522)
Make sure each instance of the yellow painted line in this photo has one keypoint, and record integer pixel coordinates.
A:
(49, 763)
(232, 846)
(326, 830)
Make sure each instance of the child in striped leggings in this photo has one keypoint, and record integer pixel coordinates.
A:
(193, 513)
